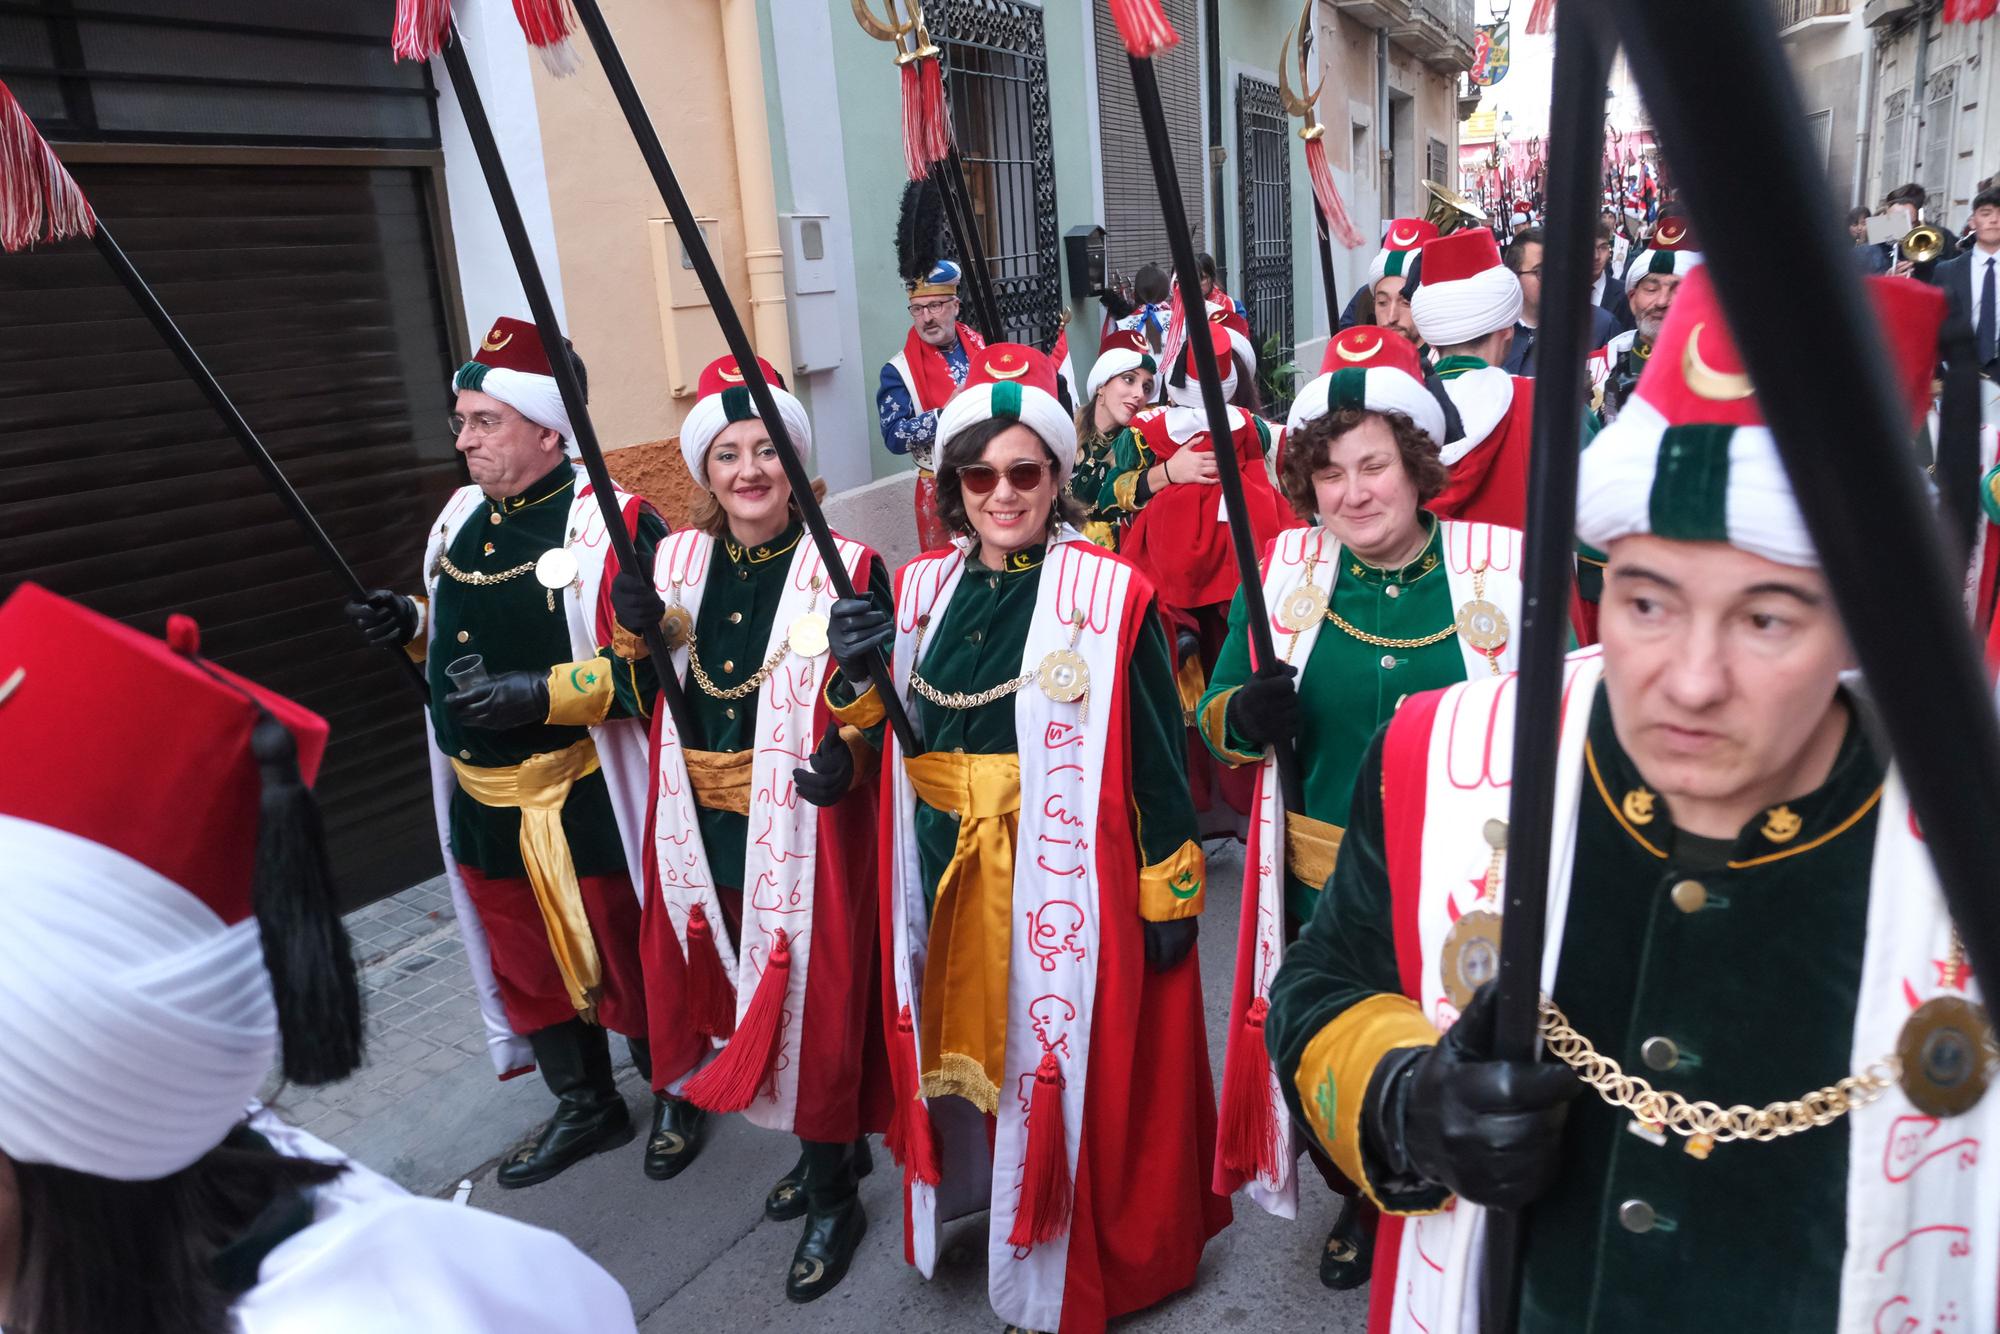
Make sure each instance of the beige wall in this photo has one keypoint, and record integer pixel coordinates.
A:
(604, 197)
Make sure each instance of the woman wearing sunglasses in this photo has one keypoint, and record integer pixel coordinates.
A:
(1120, 386)
(759, 922)
(1041, 884)
(1375, 602)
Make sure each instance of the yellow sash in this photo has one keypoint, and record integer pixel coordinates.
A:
(1311, 848)
(537, 787)
(721, 779)
(965, 972)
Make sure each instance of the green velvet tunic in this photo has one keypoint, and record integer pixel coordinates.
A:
(977, 644)
(738, 603)
(1347, 688)
(512, 626)
(1756, 987)
(1087, 482)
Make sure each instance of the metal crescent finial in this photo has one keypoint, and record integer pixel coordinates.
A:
(892, 32)
(1295, 104)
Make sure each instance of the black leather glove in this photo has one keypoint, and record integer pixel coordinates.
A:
(511, 699)
(856, 628)
(635, 603)
(829, 773)
(1489, 1131)
(385, 618)
(1167, 943)
(1186, 645)
(1265, 709)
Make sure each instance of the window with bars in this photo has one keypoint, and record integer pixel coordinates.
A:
(1895, 128)
(1265, 193)
(997, 79)
(1437, 162)
(1940, 118)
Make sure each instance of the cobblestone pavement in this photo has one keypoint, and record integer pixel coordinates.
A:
(696, 1252)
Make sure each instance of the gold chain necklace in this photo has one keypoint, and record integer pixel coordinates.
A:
(952, 699)
(1705, 1124)
(748, 687)
(478, 580)
(1383, 641)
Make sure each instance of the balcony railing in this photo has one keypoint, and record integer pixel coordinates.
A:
(1792, 13)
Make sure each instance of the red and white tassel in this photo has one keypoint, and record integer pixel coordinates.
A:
(926, 127)
(1969, 11)
(1247, 1139)
(732, 1080)
(911, 1140)
(1176, 335)
(1046, 1193)
(547, 24)
(1339, 226)
(39, 200)
(711, 1000)
(1144, 27)
(1541, 17)
(421, 28)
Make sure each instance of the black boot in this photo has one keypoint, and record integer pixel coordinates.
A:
(835, 1221)
(575, 1059)
(1349, 1257)
(787, 1199)
(675, 1138)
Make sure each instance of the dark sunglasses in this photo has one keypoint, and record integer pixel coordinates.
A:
(981, 478)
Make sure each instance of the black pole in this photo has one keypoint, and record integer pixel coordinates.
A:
(1582, 60)
(1218, 248)
(1221, 438)
(1957, 444)
(1326, 271)
(253, 448)
(1708, 69)
(950, 176)
(488, 149)
(739, 344)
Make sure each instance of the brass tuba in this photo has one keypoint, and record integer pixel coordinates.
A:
(1449, 210)
(1923, 243)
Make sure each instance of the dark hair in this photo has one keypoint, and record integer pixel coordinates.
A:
(1859, 213)
(1516, 248)
(967, 447)
(1906, 194)
(1150, 285)
(1306, 451)
(1204, 265)
(104, 1257)
(1987, 198)
(1606, 229)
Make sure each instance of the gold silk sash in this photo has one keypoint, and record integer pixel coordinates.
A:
(972, 920)
(1311, 849)
(721, 779)
(537, 787)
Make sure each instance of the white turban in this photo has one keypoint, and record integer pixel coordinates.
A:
(134, 1026)
(1694, 483)
(1187, 394)
(1680, 263)
(1113, 364)
(1034, 408)
(535, 397)
(1379, 267)
(713, 413)
(1450, 313)
(1378, 389)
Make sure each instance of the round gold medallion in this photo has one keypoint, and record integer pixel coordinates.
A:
(1483, 625)
(557, 568)
(1302, 608)
(1471, 956)
(1064, 676)
(676, 627)
(808, 636)
(1946, 1053)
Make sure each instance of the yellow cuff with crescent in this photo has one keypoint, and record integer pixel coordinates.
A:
(1333, 1075)
(1214, 725)
(1125, 489)
(1176, 887)
(537, 787)
(864, 711)
(419, 647)
(580, 693)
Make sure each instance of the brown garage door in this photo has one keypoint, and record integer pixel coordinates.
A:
(314, 293)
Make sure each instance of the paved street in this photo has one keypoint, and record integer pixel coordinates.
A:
(695, 1253)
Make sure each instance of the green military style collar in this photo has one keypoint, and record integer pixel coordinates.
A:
(556, 482)
(1426, 561)
(1450, 368)
(763, 552)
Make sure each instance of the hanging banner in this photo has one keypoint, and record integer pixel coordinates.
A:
(1490, 54)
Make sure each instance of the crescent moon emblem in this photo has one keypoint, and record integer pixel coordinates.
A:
(1361, 354)
(999, 370)
(1399, 240)
(494, 342)
(1669, 234)
(731, 374)
(1706, 381)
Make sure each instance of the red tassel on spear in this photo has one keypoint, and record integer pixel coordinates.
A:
(1969, 11)
(1144, 27)
(421, 26)
(39, 200)
(1541, 18)
(1304, 104)
(547, 24)
(926, 127)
